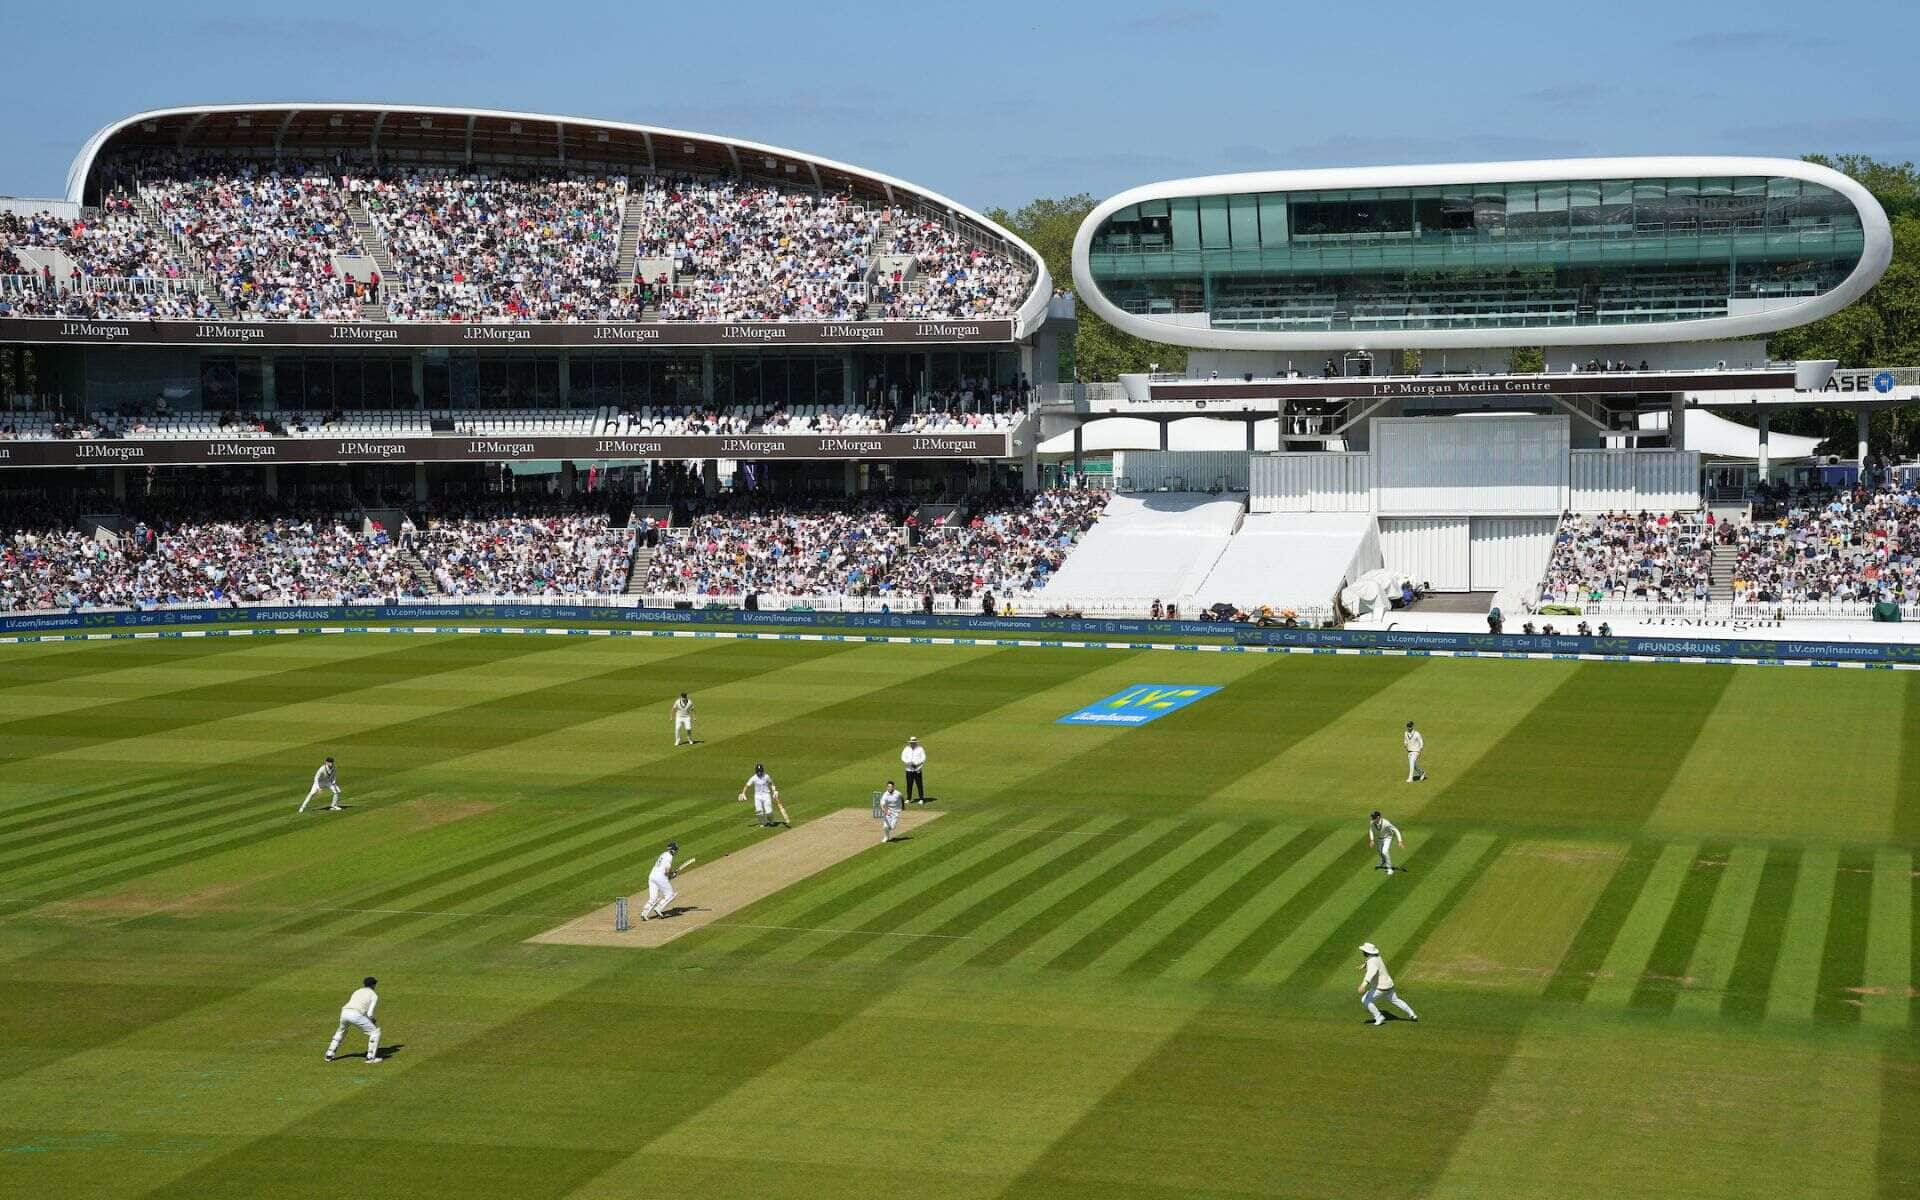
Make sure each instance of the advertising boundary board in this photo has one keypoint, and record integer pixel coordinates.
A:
(528, 334)
(996, 631)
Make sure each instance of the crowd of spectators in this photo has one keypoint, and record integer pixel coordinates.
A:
(874, 549)
(1857, 545)
(478, 247)
(750, 252)
(116, 268)
(266, 235)
(211, 559)
(503, 549)
(270, 239)
(1656, 558)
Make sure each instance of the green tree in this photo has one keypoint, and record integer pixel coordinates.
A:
(1100, 351)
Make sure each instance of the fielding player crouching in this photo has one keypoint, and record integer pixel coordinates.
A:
(358, 1012)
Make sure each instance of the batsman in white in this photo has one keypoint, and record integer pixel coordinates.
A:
(683, 719)
(891, 802)
(326, 779)
(358, 1012)
(1376, 982)
(1414, 743)
(765, 794)
(660, 891)
(1381, 834)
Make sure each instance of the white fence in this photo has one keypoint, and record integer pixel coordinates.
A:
(1310, 481)
(1180, 470)
(1634, 481)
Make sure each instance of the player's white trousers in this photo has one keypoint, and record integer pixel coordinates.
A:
(889, 817)
(682, 725)
(763, 806)
(360, 1021)
(1386, 853)
(316, 790)
(660, 893)
(1413, 765)
(1393, 998)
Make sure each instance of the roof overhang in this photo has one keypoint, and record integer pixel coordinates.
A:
(1875, 255)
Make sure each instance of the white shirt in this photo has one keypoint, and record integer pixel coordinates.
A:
(914, 756)
(1381, 831)
(762, 786)
(1414, 742)
(683, 707)
(362, 1001)
(891, 798)
(663, 866)
(324, 776)
(1376, 976)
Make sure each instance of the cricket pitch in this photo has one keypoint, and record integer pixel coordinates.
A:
(712, 891)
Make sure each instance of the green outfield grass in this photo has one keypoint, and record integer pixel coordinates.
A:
(1660, 922)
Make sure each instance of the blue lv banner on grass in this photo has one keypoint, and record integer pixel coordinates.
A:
(1138, 703)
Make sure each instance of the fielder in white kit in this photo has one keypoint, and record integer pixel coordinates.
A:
(1414, 743)
(683, 719)
(358, 1012)
(1382, 833)
(764, 794)
(660, 891)
(1376, 982)
(891, 802)
(326, 779)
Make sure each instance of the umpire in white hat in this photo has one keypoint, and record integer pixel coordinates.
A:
(914, 759)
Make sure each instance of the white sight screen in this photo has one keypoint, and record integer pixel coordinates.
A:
(1459, 465)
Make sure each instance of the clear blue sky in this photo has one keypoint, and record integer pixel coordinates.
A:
(995, 103)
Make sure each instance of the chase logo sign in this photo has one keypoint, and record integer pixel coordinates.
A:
(1883, 382)
(1139, 703)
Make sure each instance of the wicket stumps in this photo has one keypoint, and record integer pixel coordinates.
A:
(620, 914)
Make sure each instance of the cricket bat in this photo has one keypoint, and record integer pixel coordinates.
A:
(784, 818)
(685, 865)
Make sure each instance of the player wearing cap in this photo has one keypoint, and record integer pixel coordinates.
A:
(326, 779)
(358, 1012)
(1414, 743)
(914, 759)
(1381, 834)
(660, 893)
(1376, 982)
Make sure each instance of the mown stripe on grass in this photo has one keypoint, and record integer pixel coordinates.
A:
(1897, 1152)
(1718, 946)
(1578, 969)
(60, 666)
(1363, 923)
(1626, 962)
(1013, 856)
(1666, 969)
(1283, 921)
(1889, 969)
(1210, 923)
(1458, 874)
(1652, 716)
(1052, 922)
(1759, 956)
(1188, 870)
(1796, 977)
(1843, 962)
(173, 711)
(1906, 800)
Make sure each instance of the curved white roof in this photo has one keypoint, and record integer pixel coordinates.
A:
(1032, 310)
(1876, 254)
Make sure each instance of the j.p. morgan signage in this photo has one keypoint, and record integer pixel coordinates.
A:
(1470, 386)
(404, 336)
(498, 449)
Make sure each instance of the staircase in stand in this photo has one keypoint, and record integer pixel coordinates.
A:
(376, 249)
(1725, 559)
(638, 570)
(629, 242)
(181, 254)
(413, 563)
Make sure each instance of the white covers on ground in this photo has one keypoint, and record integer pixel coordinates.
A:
(1158, 546)
(1292, 560)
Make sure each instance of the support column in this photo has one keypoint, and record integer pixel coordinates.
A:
(852, 478)
(420, 491)
(270, 481)
(1166, 428)
(1677, 422)
(1862, 420)
(849, 386)
(1079, 449)
(568, 474)
(706, 377)
(1252, 424)
(269, 391)
(417, 365)
(1765, 459)
(120, 484)
(566, 376)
